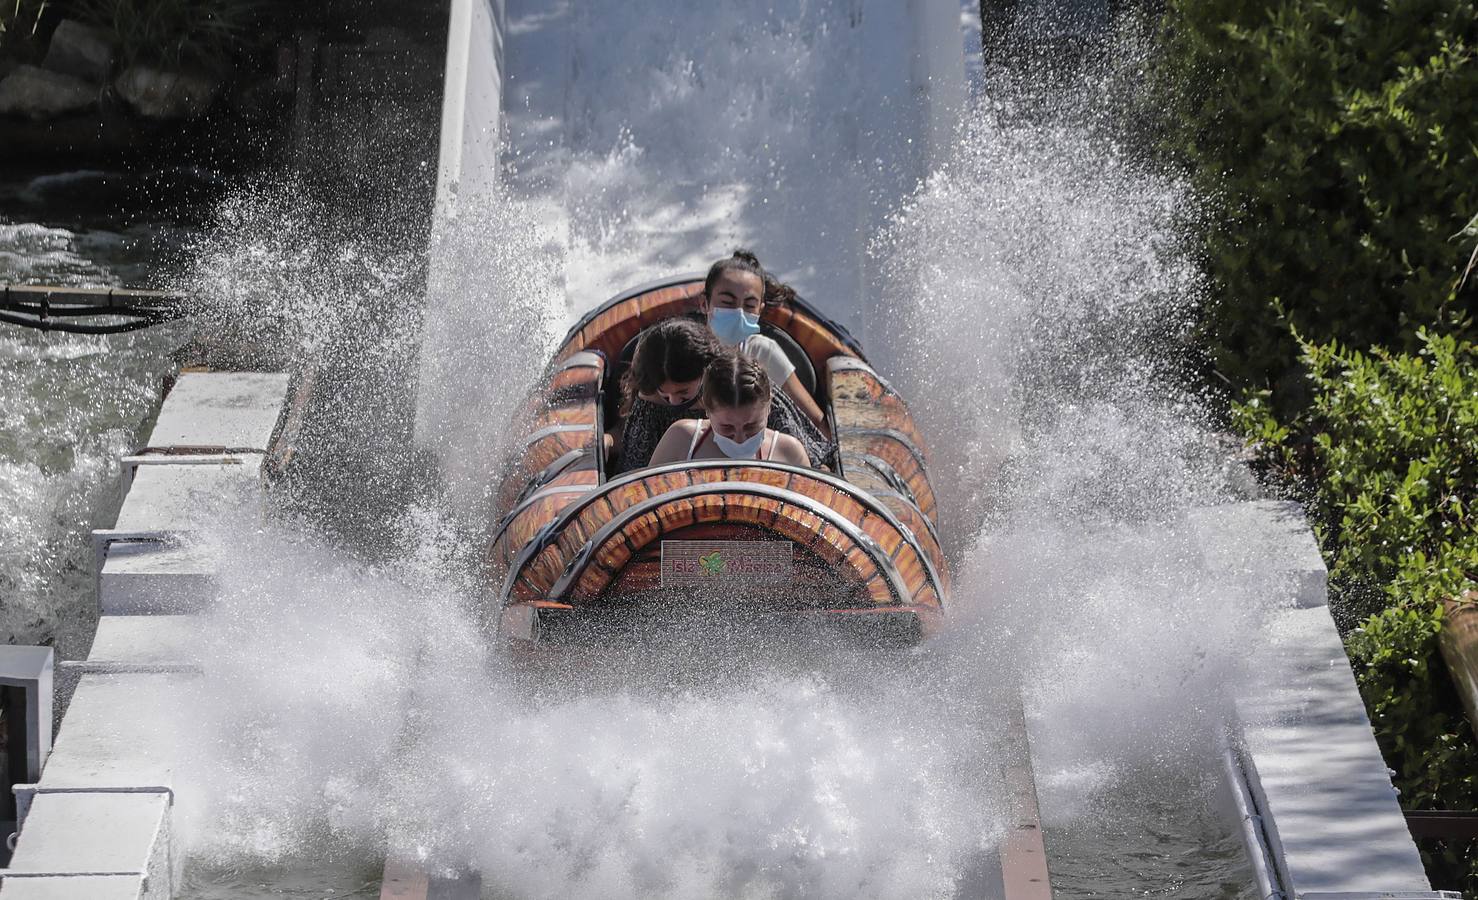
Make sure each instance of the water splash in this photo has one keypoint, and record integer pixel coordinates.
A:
(75, 404)
(365, 709)
(1046, 286)
(1043, 291)
(499, 302)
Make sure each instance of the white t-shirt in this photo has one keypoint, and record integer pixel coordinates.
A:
(768, 354)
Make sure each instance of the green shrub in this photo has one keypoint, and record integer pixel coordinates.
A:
(1387, 458)
(1336, 141)
(1398, 465)
(1419, 723)
(1387, 455)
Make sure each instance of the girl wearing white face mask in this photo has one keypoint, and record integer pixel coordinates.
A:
(736, 395)
(733, 296)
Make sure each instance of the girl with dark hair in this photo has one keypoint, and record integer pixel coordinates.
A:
(664, 385)
(734, 293)
(736, 395)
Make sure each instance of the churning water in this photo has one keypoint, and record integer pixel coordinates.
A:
(73, 405)
(1041, 290)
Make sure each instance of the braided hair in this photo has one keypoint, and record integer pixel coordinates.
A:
(733, 379)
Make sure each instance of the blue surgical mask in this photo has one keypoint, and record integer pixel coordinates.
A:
(747, 450)
(733, 325)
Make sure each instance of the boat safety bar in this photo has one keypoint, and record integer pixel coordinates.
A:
(886, 472)
(616, 526)
(551, 531)
(913, 449)
(526, 497)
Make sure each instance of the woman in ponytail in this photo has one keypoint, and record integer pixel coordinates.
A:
(665, 383)
(735, 291)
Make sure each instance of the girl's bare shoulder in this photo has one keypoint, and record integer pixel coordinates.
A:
(789, 450)
(684, 426)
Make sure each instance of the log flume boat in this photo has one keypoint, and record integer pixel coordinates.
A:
(581, 553)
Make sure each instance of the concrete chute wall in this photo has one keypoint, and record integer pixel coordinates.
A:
(471, 105)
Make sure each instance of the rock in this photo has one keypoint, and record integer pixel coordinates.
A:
(156, 94)
(78, 50)
(38, 93)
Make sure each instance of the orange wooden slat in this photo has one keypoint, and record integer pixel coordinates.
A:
(859, 560)
(911, 571)
(544, 569)
(878, 591)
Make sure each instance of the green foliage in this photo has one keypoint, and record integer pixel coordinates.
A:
(1388, 457)
(1398, 466)
(1337, 142)
(175, 33)
(1389, 443)
(1420, 726)
(1422, 730)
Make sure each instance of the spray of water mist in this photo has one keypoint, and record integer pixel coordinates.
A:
(345, 710)
(1047, 286)
(73, 406)
(498, 296)
(660, 155)
(1042, 279)
(349, 707)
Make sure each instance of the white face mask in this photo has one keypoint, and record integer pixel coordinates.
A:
(747, 450)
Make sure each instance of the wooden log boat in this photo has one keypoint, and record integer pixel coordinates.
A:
(579, 552)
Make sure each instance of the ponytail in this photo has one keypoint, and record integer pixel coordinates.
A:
(740, 261)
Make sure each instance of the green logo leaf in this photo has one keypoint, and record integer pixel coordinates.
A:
(713, 563)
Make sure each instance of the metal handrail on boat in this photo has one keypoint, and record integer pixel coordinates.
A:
(874, 506)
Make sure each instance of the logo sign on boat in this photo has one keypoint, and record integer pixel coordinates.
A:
(687, 563)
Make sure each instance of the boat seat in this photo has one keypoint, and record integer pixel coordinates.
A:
(798, 358)
(804, 370)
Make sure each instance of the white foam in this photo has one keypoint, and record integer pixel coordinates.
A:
(73, 404)
(1036, 283)
(342, 709)
(665, 154)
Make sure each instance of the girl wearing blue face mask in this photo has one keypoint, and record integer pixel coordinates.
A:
(736, 395)
(733, 296)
